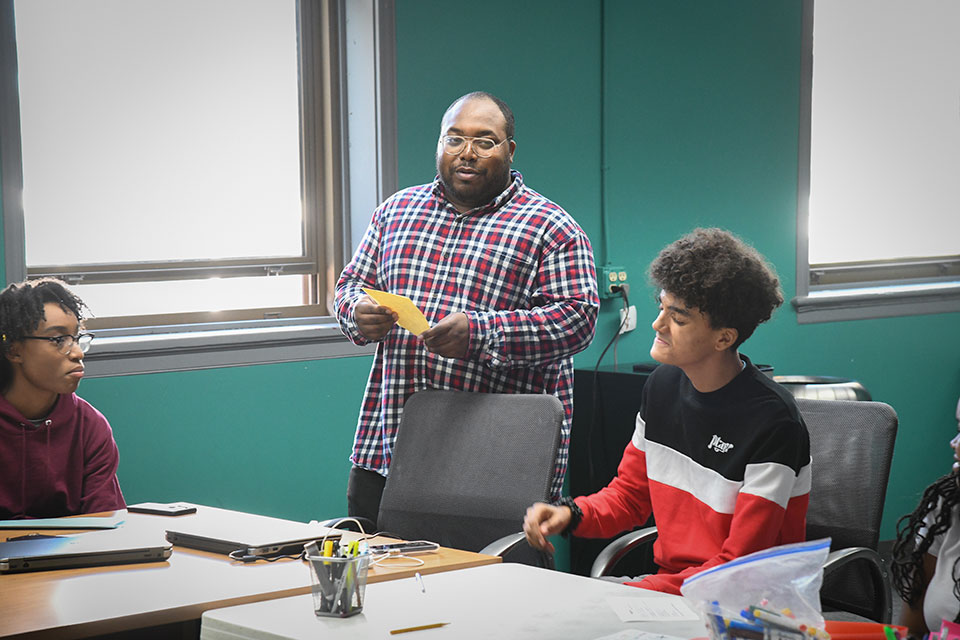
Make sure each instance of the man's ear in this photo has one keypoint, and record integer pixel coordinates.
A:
(726, 338)
(513, 148)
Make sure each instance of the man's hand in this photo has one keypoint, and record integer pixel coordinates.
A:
(449, 337)
(373, 320)
(544, 520)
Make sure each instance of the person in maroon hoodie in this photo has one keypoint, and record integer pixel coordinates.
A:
(57, 453)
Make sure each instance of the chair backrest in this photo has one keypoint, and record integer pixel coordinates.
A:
(467, 465)
(851, 443)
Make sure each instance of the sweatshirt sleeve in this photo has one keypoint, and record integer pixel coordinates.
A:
(101, 489)
(625, 502)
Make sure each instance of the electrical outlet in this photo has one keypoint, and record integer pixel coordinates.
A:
(631, 323)
(612, 277)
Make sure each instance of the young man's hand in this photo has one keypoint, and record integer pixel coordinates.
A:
(373, 320)
(449, 337)
(544, 520)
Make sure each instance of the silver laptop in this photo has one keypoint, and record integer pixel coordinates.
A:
(253, 536)
(93, 549)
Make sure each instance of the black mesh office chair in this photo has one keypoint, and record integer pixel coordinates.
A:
(466, 466)
(851, 443)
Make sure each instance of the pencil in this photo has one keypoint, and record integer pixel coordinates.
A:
(435, 625)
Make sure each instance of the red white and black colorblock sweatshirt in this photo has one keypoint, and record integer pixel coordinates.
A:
(724, 473)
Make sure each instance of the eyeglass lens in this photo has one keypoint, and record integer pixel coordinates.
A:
(66, 343)
(455, 145)
(85, 339)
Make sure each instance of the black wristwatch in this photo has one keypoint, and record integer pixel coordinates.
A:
(576, 515)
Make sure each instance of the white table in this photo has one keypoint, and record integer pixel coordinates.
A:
(496, 601)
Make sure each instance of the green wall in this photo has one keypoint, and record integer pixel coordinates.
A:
(698, 105)
(270, 439)
(662, 115)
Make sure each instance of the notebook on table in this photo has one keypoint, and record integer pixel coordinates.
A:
(254, 536)
(94, 549)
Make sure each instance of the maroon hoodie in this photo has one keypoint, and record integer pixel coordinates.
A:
(65, 466)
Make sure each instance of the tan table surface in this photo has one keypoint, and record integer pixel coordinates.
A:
(79, 603)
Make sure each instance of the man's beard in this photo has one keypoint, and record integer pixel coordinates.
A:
(478, 194)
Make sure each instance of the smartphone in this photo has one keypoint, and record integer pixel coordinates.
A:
(162, 508)
(413, 546)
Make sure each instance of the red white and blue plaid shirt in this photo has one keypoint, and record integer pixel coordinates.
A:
(519, 267)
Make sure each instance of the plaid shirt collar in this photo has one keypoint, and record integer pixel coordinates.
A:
(505, 196)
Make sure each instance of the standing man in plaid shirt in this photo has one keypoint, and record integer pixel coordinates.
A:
(504, 276)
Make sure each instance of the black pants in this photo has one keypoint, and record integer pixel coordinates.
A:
(364, 490)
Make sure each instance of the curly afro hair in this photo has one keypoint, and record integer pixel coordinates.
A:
(722, 276)
(21, 312)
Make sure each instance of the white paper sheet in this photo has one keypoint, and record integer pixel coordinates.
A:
(636, 634)
(641, 609)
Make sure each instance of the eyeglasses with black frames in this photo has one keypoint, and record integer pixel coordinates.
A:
(483, 147)
(65, 343)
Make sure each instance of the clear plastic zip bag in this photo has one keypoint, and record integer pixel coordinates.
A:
(781, 581)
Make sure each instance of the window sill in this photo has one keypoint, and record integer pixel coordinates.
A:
(830, 305)
(189, 347)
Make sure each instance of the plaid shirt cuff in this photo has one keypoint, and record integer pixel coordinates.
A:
(479, 326)
(349, 325)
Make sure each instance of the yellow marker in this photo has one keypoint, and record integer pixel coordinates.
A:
(328, 549)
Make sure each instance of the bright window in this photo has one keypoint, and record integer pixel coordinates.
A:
(168, 133)
(183, 165)
(879, 223)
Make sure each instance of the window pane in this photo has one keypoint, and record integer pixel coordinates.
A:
(159, 130)
(185, 296)
(885, 137)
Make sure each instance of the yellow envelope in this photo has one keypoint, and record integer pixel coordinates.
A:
(410, 319)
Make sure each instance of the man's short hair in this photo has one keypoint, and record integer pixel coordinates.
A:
(722, 276)
(504, 109)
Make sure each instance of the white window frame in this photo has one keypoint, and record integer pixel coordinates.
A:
(859, 290)
(350, 51)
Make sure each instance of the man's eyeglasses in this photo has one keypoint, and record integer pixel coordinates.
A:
(483, 147)
(65, 343)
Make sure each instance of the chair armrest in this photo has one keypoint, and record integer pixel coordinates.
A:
(616, 550)
(503, 545)
(509, 542)
(883, 608)
(366, 523)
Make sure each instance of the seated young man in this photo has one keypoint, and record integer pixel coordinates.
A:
(720, 455)
(57, 453)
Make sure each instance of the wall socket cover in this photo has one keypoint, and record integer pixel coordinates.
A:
(611, 276)
(631, 323)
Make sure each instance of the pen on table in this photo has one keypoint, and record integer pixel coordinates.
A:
(421, 627)
(420, 582)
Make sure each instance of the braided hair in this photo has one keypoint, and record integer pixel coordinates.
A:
(21, 312)
(910, 548)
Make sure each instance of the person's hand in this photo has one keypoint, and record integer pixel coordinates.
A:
(449, 337)
(544, 520)
(373, 320)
